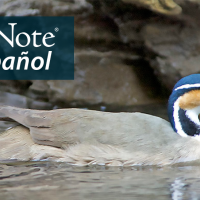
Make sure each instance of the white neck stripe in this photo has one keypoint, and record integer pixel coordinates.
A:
(186, 86)
(177, 122)
(192, 114)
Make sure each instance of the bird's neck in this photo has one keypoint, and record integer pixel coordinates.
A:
(186, 121)
(193, 115)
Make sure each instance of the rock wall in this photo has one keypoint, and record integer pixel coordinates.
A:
(127, 52)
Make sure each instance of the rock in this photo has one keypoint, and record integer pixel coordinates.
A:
(22, 101)
(94, 29)
(90, 87)
(109, 41)
(170, 43)
(46, 7)
(38, 90)
(177, 50)
(168, 7)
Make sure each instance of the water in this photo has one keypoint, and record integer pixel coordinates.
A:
(50, 180)
(47, 180)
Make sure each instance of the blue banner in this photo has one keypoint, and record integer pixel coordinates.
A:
(36, 48)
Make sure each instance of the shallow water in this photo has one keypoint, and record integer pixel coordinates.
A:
(49, 180)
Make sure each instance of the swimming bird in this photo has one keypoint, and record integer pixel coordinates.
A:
(84, 137)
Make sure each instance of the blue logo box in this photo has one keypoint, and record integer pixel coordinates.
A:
(36, 48)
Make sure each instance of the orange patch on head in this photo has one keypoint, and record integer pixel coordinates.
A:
(190, 100)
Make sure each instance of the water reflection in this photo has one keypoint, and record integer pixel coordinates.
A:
(177, 188)
(47, 180)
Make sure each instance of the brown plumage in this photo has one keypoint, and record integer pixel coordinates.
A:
(92, 137)
(190, 100)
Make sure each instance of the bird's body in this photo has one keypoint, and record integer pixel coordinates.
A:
(84, 137)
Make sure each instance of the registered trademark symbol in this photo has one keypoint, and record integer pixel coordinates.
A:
(56, 29)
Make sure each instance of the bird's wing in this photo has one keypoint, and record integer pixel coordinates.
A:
(46, 127)
(66, 127)
(27, 117)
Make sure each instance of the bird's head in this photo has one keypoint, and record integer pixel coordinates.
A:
(184, 106)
